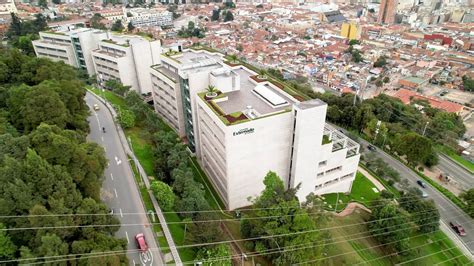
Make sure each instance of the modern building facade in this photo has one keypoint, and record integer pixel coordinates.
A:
(127, 58)
(387, 11)
(73, 47)
(249, 127)
(7, 7)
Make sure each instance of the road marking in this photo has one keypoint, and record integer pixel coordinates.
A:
(111, 176)
(115, 193)
(441, 207)
(134, 262)
(126, 234)
(121, 214)
(102, 137)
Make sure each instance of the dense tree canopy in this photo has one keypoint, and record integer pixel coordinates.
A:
(47, 168)
(279, 213)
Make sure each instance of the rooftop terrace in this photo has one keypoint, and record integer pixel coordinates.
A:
(263, 97)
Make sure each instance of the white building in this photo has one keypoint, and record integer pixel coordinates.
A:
(141, 17)
(127, 58)
(251, 127)
(73, 47)
(7, 7)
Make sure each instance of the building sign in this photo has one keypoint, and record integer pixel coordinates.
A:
(244, 131)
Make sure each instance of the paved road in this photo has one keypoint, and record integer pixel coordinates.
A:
(456, 172)
(119, 190)
(448, 210)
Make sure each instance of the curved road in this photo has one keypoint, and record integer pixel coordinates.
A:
(119, 190)
(447, 209)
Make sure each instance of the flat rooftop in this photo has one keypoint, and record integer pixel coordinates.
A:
(262, 97)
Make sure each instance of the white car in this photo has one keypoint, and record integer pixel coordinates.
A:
(96, 107)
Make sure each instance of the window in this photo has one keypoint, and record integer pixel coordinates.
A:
(323, 163)
(334, 169)
(320, 174)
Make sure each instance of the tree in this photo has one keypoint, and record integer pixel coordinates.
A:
(117, 26)
(353, 42)
(416, 148)
(7, 247)
(117, 87)
(468, 83)
(43, 4)
(422, 213)
(276, 201)
(228, 16)
(216, 252)
(215, 14)
(130, 26)
(233, 58)
(386, 80)
(381, 61)
(57, 2)
(163, 194)
(96, 22)
(126, 118)
(389, 225)
(356, 55)
(468, 197)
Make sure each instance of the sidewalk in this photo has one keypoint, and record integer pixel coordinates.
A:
(372, 179)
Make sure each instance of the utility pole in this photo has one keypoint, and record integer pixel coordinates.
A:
(424, 129)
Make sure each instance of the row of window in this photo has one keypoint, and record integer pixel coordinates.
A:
(165, 91)
(51, 49)
(53, 56)
(220, 187)
(333, 181)
(100, 59)
(107, 68)
(320, 174)
(53, 40)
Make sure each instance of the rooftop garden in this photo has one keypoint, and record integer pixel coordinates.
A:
(116, 43)
(213, 94)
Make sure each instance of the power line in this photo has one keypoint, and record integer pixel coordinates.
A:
(458, 256)
(184, 246)
(429, 255)
(305, 246)
(170, 212)
(132, 251)
(148, 224)
(289, 234)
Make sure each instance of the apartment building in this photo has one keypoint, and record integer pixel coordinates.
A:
(7, 7)
(250, 126)
(141, 17)
(127, 58)
(73, 47)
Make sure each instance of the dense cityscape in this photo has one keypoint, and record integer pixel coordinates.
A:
(266, 132)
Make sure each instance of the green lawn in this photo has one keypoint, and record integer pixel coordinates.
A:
(457, 158)
(361, 192)
(363, 248)
(111, 97)
(141, 148)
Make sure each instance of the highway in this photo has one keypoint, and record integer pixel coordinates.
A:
(456, 172)
(448, 210)
(119, 190)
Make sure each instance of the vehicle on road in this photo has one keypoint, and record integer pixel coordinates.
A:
(371, 147)
(141, 243)
(96, 107)
(421, 183)
(457, 228)
(103, 129)
(424, 194)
